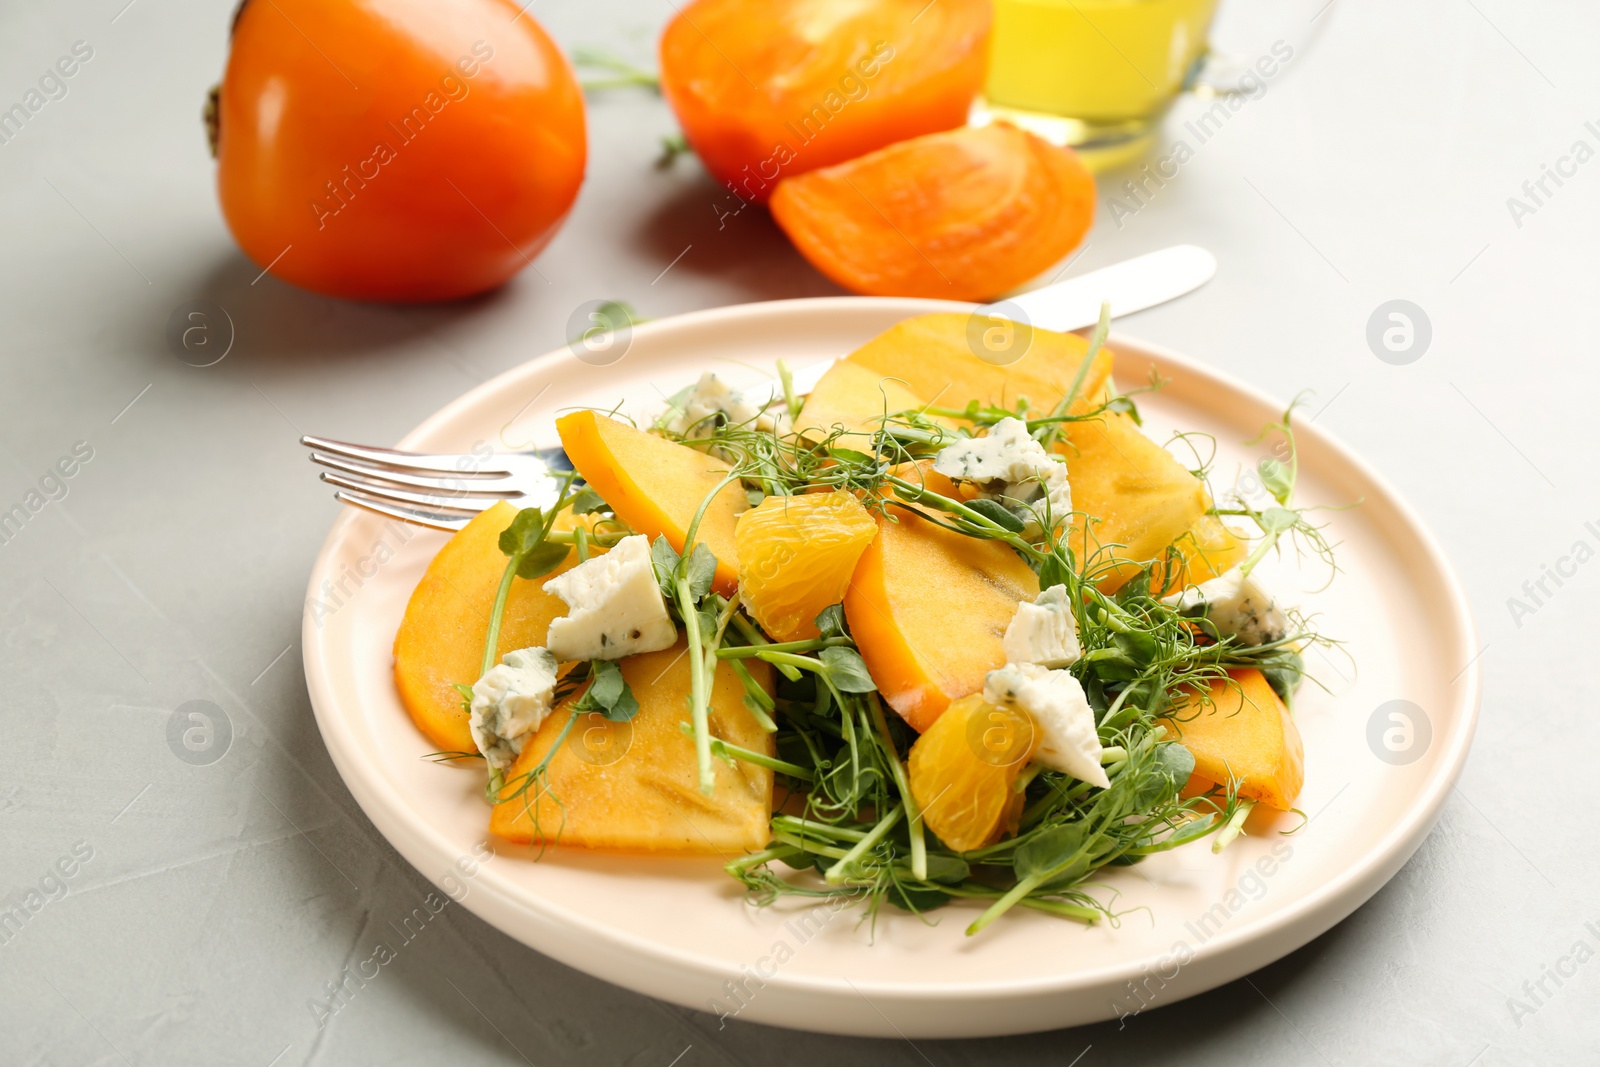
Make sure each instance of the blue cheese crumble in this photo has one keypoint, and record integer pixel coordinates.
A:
(614, 606)
(510, 702)
(1008, 464)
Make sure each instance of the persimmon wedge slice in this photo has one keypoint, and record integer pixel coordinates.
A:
(768, 90)
(1243, 732)
(441, 638)
(634, 785)
(962, 215)
(656, 486)
(949, 359)
(928, 608)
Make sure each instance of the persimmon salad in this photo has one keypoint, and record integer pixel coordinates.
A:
(937, 629)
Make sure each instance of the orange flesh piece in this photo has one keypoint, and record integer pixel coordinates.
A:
(656, 486)
(441, 638)
(961, 215)
(1245, 733)
(928, 608)
(963, 768)
(856, 398)
(634, 786)
(798, 553)
(1140, 498)
(935, 356)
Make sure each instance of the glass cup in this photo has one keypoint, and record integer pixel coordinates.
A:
(1094, 74)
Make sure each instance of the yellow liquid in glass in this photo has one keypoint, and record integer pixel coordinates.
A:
(1103, 62)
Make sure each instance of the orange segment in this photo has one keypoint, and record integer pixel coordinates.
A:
(1245, 733)
(796, 556)
(656, 485)
(963, 769)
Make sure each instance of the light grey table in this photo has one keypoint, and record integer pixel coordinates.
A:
(216, 901)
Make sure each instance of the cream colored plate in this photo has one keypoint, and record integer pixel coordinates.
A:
(678, 928)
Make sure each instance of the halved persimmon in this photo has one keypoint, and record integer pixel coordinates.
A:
(768, 90)
(963, 215)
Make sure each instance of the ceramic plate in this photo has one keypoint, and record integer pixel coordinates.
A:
(1384, 742)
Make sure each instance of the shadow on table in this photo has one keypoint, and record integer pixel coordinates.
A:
(719, 237)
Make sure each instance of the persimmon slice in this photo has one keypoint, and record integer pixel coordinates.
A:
(963, 215)
(768, 90)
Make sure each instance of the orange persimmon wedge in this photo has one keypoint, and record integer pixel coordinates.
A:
(634, 785)
(853, 398)
(1206, 550)
(1246, 734)
(656, 486)
(441, 637)
(949, 359)
(768, 90)
(1132, 497)
(961, 215)
(928, 608)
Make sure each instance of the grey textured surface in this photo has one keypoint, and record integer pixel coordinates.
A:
(220, 899)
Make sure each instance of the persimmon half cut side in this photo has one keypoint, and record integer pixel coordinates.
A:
(768, 90)
(961, 215)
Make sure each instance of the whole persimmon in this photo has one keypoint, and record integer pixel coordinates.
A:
(395, 149)
(770, 89)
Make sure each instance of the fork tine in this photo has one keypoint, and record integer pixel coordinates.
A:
(415, 461)
(448, 523)
(456, 482)
(469, 505)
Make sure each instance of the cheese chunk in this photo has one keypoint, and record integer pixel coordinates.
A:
(1008, 464)
(614, 606)
(1237, 605)
(1056, 703)
(510, 702)
(1044, 632)
(711, 396)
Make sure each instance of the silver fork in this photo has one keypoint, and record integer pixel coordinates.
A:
(442, 490)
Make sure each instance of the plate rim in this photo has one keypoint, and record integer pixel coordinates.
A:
(1317, 910)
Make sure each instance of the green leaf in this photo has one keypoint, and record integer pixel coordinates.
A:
(912, 899)
(1171, 768)
(1139, 646)
(542, 559)
(1047, 850)
(702, 571)
(1125, 405)
(665, 560)
(1053, 571)
(1278, 479)
(850, 455)
(1286, 675)
(525, 532)
(831, 621)
(997, 513)
(465, 693)
(846, 669)
(608, 693)
(950, 870)
(1277, 520)
(587, 500)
